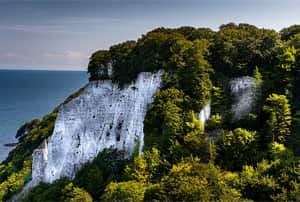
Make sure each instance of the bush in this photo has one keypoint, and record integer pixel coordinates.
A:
(196, 182)
(131, 191)
(237, 148)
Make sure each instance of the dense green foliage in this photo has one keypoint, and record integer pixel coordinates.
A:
(88, 184)
(60, 190)
(237, 148)
(15, 181)
(253, 158)
(198, 64)
(279, 121)
(196, 182)
(95, 175)
(129, 191)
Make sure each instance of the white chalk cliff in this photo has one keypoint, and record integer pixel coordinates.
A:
(103, 116)
(204, 114)
(243, 89)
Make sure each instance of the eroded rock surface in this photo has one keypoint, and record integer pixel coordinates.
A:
(103, 116)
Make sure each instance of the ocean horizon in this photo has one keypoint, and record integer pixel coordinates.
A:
(29, 94)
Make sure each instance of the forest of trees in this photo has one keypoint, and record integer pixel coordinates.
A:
(256, 158)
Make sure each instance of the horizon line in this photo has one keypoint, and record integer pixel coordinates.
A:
(31, 69)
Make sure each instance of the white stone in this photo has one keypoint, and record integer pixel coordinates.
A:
(204, 114)
(243, 89)
(103, 116)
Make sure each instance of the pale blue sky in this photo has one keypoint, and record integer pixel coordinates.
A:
(61, 34)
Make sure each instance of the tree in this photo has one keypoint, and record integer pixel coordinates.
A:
(196, 182)
(193, 143)
(95, 175)
(122, 58)
(75, 194)
(287, 59)
(286, 69)
(47, 192)
(258, 77)
(194, 73)
(237, 49)
(131, 191)
(295, 41)
(164, 121)
(256, 184)
(218, 100)
(144, 168)
(289, 32)
(99, 65)
(14, 183)
(153, 49)
(237, 148)
(279, 122)
(192, 33)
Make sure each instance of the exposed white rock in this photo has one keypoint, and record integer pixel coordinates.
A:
(103, 116)
(109, 69)
(39, 156)
(243, 89)
(204, 114)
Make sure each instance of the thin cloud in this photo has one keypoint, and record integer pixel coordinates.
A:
(65, 60)
(96, 21)
(87, 20)
(39, 29)
(70, 54)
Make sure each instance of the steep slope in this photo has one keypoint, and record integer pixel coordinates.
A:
(241, 75)
(102, 116)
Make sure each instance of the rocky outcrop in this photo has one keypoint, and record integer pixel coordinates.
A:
(103, 116)
(204, 114)
(243, 89)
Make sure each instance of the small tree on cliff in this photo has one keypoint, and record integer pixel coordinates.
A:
(279, 122)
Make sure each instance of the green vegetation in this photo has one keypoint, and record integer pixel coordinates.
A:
(15, 181)
(198, 64)
(130, 191)
(279, 122)
(89, 183)
(61, 190)
(255, 158)
(95, 175)
(196, 182)
(237, 148)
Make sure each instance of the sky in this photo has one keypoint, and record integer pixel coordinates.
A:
(62, 34)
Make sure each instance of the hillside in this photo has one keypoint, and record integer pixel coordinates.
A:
(186, 114)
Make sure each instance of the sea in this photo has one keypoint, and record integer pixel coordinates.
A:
(30, 94)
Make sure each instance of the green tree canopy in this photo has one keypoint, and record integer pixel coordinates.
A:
(130, 191)
(279, 122)
(237, 148)
(239, 48)
(196, 182)
(289, 32)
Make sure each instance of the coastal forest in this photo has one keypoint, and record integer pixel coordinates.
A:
(231, 156)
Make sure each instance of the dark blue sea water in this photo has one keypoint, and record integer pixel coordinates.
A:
(25, 95)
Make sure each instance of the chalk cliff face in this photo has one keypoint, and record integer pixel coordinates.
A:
(204, 114)
(103, 116)
(243, 89)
